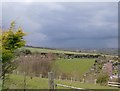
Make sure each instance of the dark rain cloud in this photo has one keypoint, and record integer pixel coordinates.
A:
(66, 25)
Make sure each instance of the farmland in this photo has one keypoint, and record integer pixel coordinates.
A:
(64, 67)
(74, 66)
(43, 50)
(98, 52)
(16, 82)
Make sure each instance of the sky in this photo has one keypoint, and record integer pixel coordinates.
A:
(65, 24)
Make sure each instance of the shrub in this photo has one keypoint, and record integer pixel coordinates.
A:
(102, 79)
(26, 51)
(22, 51)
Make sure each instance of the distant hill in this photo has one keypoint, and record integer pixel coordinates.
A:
(103, 51)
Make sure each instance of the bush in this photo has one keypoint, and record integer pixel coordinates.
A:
(27, 51)
(102, 79)
(22, 52)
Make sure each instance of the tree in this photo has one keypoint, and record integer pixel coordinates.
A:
(11, 40)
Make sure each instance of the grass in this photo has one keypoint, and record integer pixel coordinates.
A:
(16, 82)
(74, 66)
(0, 84)
(83, 85)
(43, 50)
(40, 50)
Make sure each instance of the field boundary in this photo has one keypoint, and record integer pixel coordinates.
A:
(62, 85)
(114, 84)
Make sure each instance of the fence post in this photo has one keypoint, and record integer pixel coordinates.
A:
(24, 81)
(40, 75)
(95, 81)
(59, 77)
(17, 72)
(83, 80)
(66, 78)
(51, 80)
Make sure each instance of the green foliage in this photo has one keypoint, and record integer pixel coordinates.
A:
(102, 78)
(26, 51)
(10, 40)
(22, 51)
(7, 55)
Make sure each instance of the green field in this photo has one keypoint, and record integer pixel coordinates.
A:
(16, 82)
(43, 50)
(40, 50)
(74, 66)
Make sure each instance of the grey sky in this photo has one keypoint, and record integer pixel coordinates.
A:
(65, 25)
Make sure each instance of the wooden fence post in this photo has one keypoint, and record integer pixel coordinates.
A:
(95, 81)
(17, 72)
(51, 80)
(66, 78)
(24, 81)
(83, 80)
(40, 75)
(59, 77)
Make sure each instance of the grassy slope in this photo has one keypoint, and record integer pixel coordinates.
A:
(74, 66)
(40, 50)
(16, 82)
(52, 51)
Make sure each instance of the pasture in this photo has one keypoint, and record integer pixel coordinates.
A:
(17, 82)
(35, 64)
(74, 67)
(43, 50)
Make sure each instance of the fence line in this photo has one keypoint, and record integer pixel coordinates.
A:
(69, 86)
(114, 84)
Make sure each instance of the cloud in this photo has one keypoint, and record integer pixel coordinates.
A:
(66, 25)
(0, 15)
(29, 1)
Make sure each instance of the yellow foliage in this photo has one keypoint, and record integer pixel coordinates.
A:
(10, 40)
